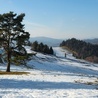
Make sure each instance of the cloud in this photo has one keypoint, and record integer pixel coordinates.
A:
(58, 31)
(36, 29)
(34, 24)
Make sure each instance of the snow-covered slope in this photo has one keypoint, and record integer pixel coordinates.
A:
(52, 77)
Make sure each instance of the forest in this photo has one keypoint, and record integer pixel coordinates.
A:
(81, 49)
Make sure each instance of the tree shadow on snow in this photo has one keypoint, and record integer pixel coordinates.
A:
(22, 84)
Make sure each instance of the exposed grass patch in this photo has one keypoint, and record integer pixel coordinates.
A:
(13, 73)
(87, 82)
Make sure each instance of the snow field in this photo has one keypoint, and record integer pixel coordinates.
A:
(51, 77)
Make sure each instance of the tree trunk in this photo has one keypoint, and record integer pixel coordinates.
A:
(8, 60)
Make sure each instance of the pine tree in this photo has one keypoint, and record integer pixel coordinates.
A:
(12, 32)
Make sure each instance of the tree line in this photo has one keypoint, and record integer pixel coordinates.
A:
(80, 48)
(40, 47)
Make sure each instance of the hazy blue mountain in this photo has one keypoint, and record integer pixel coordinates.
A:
(47, 40)
(92, 41)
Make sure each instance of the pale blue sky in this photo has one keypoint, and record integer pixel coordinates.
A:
(56, 18)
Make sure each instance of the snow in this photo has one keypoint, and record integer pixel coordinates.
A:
(51, 77)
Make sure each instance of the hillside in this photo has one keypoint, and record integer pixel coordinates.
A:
(51, 77)
(47, 40)
(81, 49)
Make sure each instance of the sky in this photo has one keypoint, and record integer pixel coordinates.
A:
(56, 18)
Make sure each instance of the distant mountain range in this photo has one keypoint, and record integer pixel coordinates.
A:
(47, 40)
(92, 41)
(56, 42)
